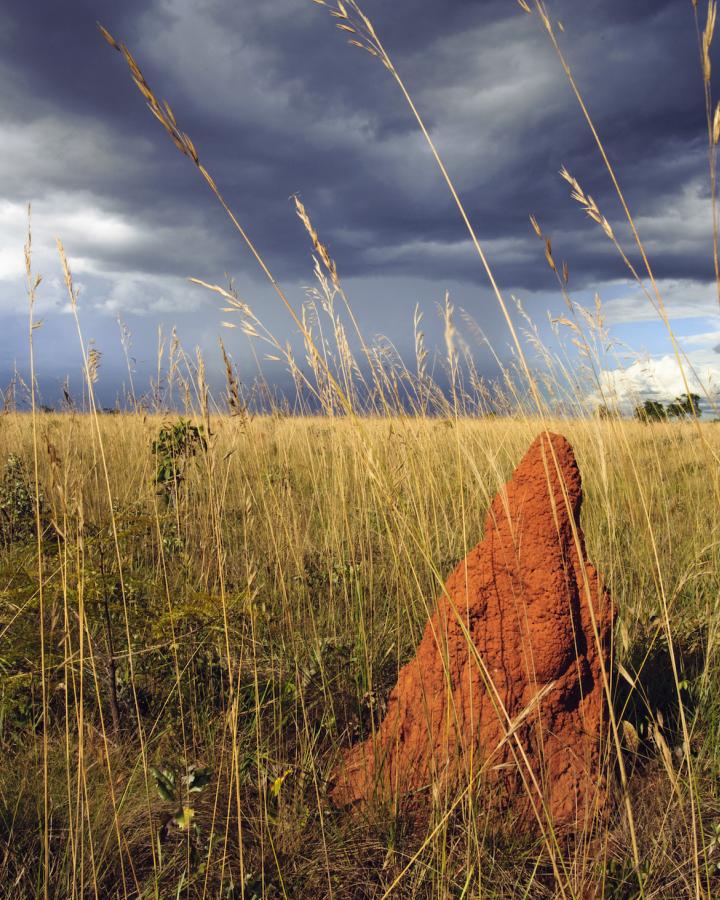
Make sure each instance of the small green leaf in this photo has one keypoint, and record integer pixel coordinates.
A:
(198, 779)
(165, 784)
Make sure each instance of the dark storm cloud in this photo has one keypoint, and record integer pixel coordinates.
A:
(277, 104)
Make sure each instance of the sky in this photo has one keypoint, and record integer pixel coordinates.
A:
(278, 105)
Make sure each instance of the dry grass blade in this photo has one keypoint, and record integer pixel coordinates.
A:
(319, 248)
(232, 385)
(708, 37)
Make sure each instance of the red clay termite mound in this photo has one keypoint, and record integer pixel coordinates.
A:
(506, 687)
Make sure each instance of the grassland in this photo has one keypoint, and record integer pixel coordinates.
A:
(231, 634)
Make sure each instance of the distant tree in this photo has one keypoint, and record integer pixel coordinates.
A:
(684, 405)
(650, 411)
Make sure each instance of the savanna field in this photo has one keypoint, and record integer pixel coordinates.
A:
(214, 638)
(208, 589)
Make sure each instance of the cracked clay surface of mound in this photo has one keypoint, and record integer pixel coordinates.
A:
(522, 598)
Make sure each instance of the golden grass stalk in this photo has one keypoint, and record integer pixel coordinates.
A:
(32, 284)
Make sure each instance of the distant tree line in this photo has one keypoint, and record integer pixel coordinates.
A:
(653, 411)
(680, 408)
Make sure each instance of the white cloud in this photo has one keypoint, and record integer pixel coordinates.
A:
(51, 150)
(139, 294)
(659, 378)
(705, 339)
(682, 298)
(680, 224)
(86, 229)
(99, 242)
(80, 221)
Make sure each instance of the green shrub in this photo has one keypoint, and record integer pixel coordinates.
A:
(174, 446)
(17, 502)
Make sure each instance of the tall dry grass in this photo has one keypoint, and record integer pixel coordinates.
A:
(268, 610)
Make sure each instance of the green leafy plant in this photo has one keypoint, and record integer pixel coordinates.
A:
(621, 879)
(712, 849)
(176, 790)
(17, 501)
(174, 446)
